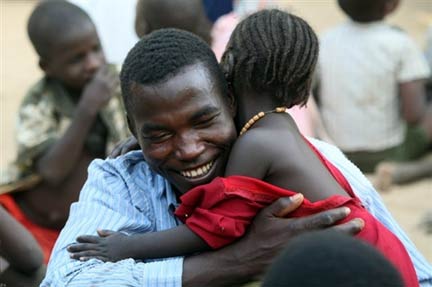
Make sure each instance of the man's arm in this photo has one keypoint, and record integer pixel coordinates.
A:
(116, 198)
(62, 157)
(107, 202)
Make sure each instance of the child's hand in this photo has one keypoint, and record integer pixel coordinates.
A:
(124, 147)
(99, 90)
(108, 246)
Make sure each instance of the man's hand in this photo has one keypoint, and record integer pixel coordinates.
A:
(99, 90)
(248, 258)
(270, 232)
(125, 146)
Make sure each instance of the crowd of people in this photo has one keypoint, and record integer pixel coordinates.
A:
(202, 141)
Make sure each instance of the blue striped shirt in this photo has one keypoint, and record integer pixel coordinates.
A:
(124, 194)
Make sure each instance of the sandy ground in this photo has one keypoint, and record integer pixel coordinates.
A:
(19, 69)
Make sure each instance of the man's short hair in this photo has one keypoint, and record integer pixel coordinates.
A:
(53, 20)
(162, 54)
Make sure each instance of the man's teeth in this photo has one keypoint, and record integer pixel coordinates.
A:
(202, 170)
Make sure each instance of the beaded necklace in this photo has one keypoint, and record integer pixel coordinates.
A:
(259, 116)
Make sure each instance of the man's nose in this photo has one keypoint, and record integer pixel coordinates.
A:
(189, 148)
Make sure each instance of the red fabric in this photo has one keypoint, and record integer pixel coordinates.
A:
(221, 211)
(46, 237)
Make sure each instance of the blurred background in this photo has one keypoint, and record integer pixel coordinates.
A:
(19, 69)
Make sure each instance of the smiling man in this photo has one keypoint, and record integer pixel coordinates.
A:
(184, 125)
(179, 109)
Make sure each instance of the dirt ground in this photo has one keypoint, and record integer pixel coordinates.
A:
(19, 69)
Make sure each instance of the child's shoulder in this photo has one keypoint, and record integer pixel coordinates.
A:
(352, 29)
(375, 34)
(37, 91)
(265, 142)
(44, 90)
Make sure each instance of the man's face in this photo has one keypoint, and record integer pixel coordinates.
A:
(75, 59)
(184, 127)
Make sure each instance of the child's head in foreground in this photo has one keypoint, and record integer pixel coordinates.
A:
(365, 11)
(272, 52)
(66, 40)
(331, 259)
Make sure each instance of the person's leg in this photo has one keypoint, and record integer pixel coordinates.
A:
(411, 160)
(367, 161)
(11, 277)
(388, 173)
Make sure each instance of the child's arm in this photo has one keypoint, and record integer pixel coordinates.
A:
(57, 163)
(17, 245)
(114, 246)
(413, 101)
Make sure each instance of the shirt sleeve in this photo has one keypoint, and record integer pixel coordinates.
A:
(413, 64)
(37, 128)
(106, 203)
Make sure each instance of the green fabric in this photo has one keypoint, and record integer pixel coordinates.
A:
(96, 140)
(415, 145)
(45, 114)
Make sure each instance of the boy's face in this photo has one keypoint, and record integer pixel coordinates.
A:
(75, 58)
(184, 127)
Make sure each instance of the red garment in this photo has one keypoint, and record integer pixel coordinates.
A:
(221, 211)
(46, 237)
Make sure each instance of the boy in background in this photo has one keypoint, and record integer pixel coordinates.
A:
(67, 119)
(371, 87)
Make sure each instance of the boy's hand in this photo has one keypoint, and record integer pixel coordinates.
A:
(99, 90)
(108, 246)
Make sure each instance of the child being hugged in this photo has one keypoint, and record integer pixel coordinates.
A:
(269, 63)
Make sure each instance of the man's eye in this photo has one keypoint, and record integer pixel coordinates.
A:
(205, 122)
(157, 138)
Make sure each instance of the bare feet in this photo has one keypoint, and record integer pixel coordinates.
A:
(384, 175)
(389, 173)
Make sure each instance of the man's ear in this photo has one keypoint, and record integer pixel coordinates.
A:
(131, 126)
(232, 103)
(227, 67)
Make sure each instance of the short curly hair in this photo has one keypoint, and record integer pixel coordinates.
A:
(162, 54)
(53, 20)
(274, 51)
